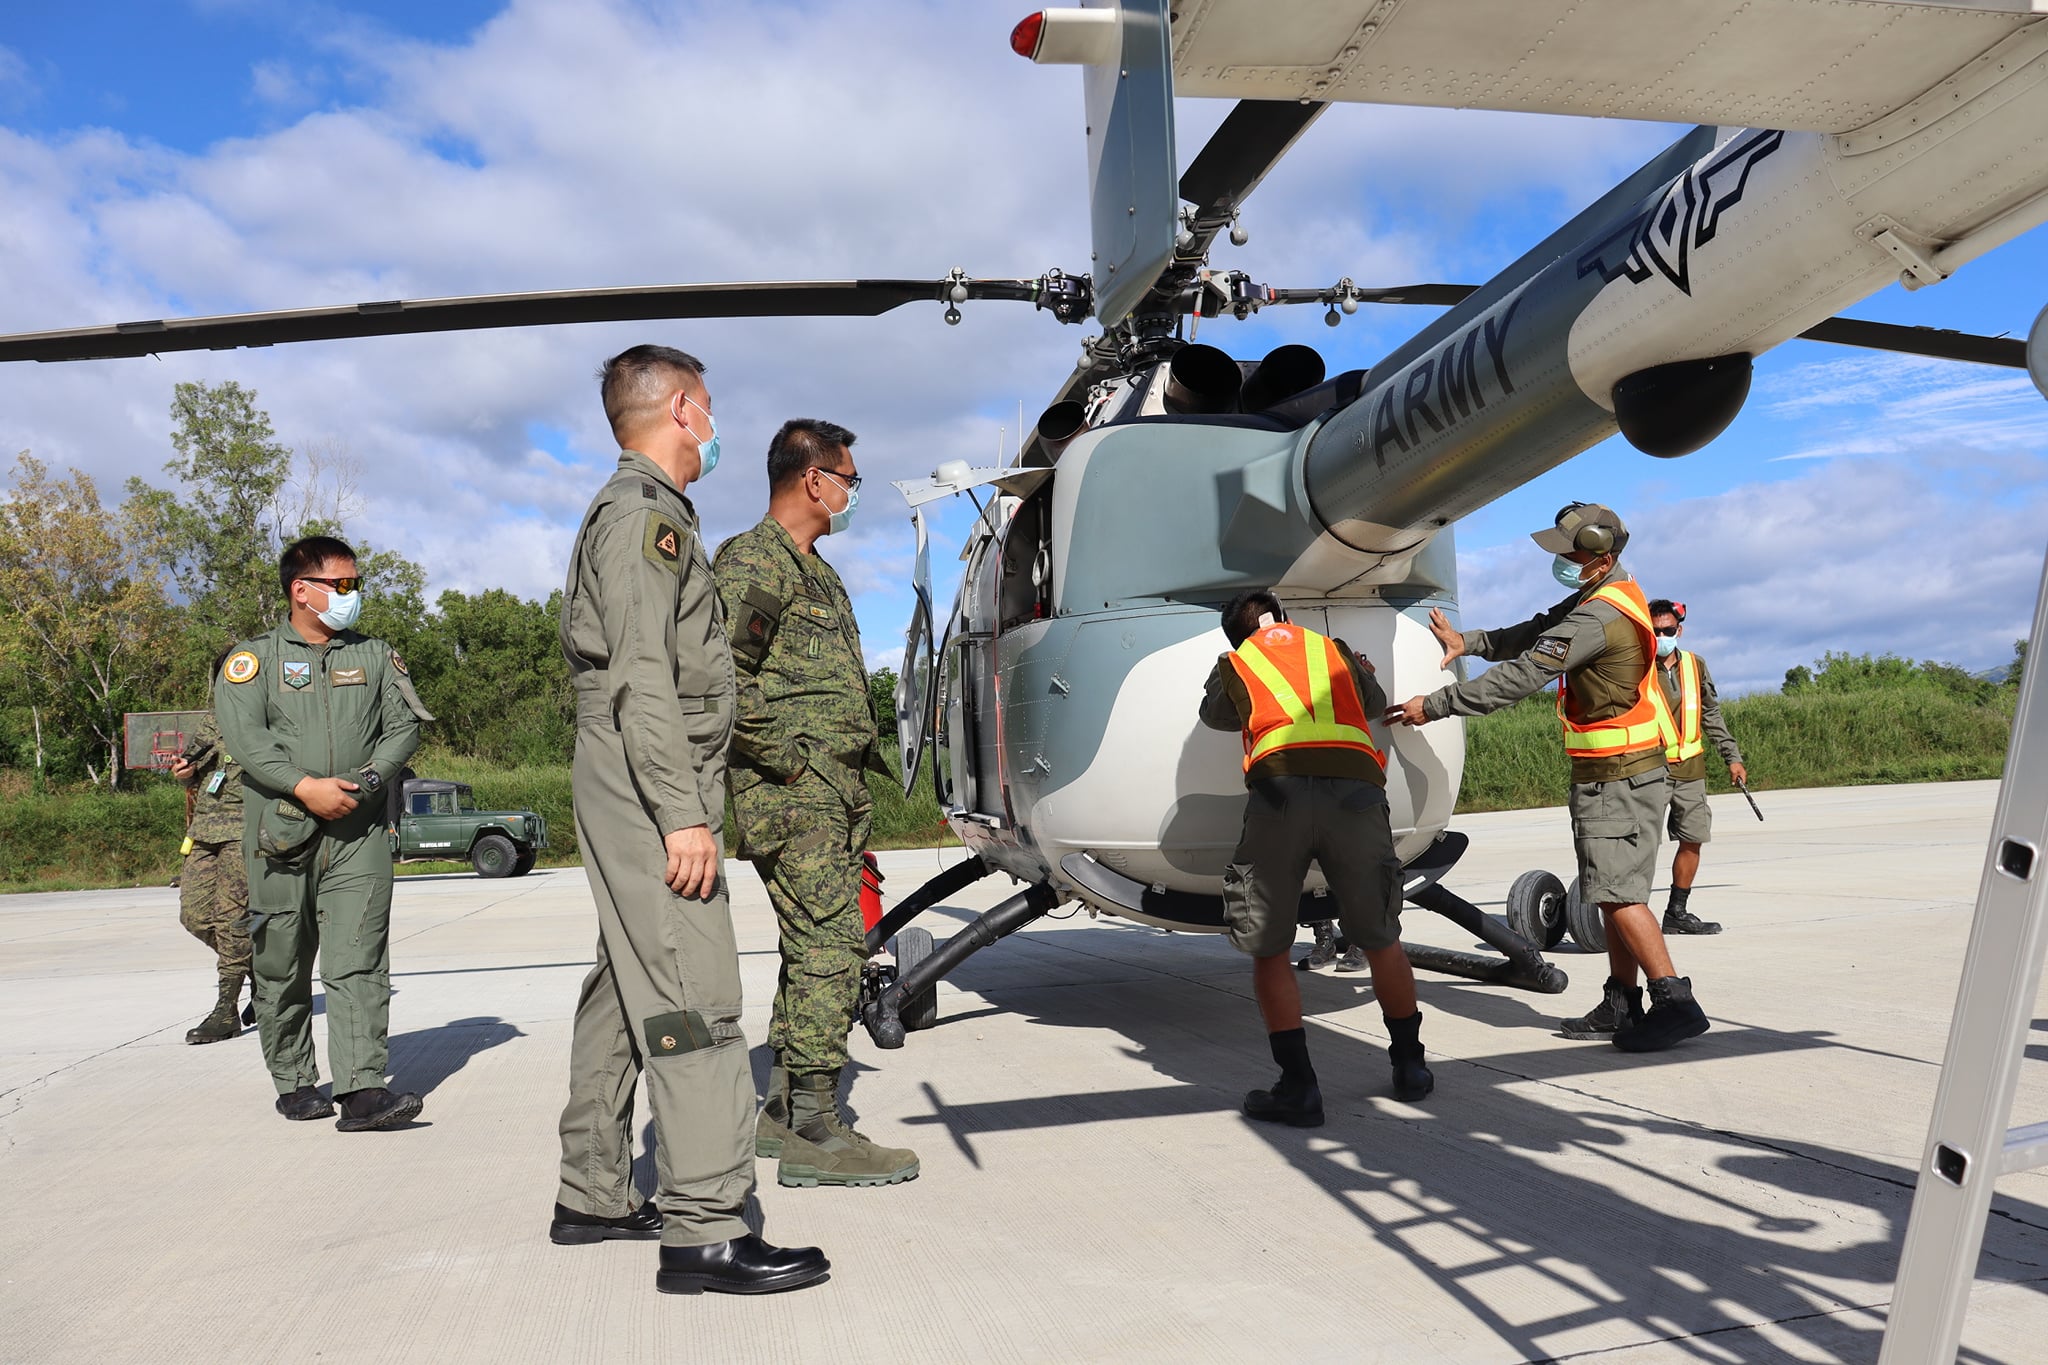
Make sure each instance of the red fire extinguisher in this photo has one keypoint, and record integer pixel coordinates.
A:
(870, 890)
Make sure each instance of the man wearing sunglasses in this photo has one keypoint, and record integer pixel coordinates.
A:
(1598, 647)
(1689, 688)
(803, 741)
(320, 718)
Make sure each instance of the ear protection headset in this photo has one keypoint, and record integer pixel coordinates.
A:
(1594, 539)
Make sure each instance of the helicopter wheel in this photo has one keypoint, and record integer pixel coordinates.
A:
(920, 1011)
(1589, 931)
(1536, 909)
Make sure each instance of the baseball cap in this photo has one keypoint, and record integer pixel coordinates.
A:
(1583, 526)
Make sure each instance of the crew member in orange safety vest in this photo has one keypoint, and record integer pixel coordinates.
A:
(1303, 704)
(1689, 689)
(1598, 648)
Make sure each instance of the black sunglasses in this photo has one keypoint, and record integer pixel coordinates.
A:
(343, 585)
(1665, 630)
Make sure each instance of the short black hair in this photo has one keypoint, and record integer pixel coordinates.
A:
(804, 443)
(638, 380)
(1241, 614)
(1664, 606)
(303, 556)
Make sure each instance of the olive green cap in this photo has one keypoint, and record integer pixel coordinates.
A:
(1584, 526)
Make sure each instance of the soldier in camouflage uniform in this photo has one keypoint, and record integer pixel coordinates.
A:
(213, 884)
(804, 737)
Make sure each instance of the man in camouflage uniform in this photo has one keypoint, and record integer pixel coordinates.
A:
(804, 737)
(645, 643)
(213, 883)
(1597, 647)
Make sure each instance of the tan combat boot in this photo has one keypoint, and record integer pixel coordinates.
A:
(822, 1150)
(771, 1130)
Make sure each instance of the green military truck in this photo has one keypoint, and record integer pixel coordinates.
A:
(432, 819)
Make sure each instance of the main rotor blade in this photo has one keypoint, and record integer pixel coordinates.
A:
(1433, 295)
(1935, 341)
(809, 298)
(1245, 146)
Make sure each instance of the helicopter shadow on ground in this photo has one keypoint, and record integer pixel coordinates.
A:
(1619, 1222)
(423, 1059)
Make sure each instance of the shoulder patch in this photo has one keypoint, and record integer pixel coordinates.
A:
(647, 488)
(240, 667)
(1551, 647)
(398, 663)
(663, 542)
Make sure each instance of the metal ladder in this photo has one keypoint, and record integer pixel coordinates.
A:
(1968, 1145)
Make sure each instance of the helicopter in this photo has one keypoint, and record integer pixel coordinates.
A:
(1055, 699)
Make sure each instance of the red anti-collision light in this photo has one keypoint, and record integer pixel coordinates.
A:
(1024, 38)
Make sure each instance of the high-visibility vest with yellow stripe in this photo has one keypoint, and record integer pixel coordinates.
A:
(1689, 742)
(1302, 695)
(1645, 725)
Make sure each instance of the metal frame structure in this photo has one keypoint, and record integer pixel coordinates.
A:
(1968, 1145)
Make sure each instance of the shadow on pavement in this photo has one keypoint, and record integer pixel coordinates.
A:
(423, 1059)
(1543, 1219)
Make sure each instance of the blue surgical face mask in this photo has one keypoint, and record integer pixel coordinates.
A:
(1667, 645)
(707, 451)
(844, 514)
(342, 609)
(1565, 572)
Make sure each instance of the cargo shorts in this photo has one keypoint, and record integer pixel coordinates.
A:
(1615, 826)
(1692, 821)
(1342, 825)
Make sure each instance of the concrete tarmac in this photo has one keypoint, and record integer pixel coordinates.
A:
(1089, 1190)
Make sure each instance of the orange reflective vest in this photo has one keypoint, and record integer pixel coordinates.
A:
(1645, 725)
(1689, 743)
(1302, 695)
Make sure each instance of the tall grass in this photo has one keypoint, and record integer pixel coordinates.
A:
(1808, 738)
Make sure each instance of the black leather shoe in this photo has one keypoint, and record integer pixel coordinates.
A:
(1288, 1102)
(305, 1103)
(363, 1111)
(574, 1229)
(1413, 1080)
(745, 1265)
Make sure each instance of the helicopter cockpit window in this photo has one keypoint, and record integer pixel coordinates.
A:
(1024, 583)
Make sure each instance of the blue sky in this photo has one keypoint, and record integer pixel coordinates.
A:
(211, 155)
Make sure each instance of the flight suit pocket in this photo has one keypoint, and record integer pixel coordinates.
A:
(287, 834)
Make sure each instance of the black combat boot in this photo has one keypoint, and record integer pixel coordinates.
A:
(1617, 1003)
(1679, 920)
(1295, 1099)
(572, 1227)
(222, 1023)
(304, 1103)
(1413, 1080)
(745, 1265)
(364, 1111)
(1673, 1018)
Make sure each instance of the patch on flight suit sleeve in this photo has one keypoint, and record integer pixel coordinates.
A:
(754, 631)
(240, 667)
(398, 663)
(663, 542)
(1550, 651)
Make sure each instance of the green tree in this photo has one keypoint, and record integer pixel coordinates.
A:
(1798, 678)
(216, 529)
(490, 668)
(2018, 667)
(84, 621)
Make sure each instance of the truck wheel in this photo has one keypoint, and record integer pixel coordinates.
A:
(920, 1011)
(1589, 930)
(1536, 909)
(527, 858)
(493, 856)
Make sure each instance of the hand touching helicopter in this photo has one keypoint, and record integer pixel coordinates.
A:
(1409, 712)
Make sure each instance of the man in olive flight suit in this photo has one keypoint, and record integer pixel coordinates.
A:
(803, 738)
(645, 641)
(213, 882)
(1596, 645)
(1696, 707)
(320, 718)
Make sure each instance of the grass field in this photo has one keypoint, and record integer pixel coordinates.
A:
(82, 838)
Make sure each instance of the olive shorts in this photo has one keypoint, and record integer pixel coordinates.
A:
(1339, 823)
(1691, 822)
(1615, 825)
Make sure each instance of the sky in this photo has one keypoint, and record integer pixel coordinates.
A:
(173, 157)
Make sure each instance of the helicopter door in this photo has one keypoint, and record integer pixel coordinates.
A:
(916, 697)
